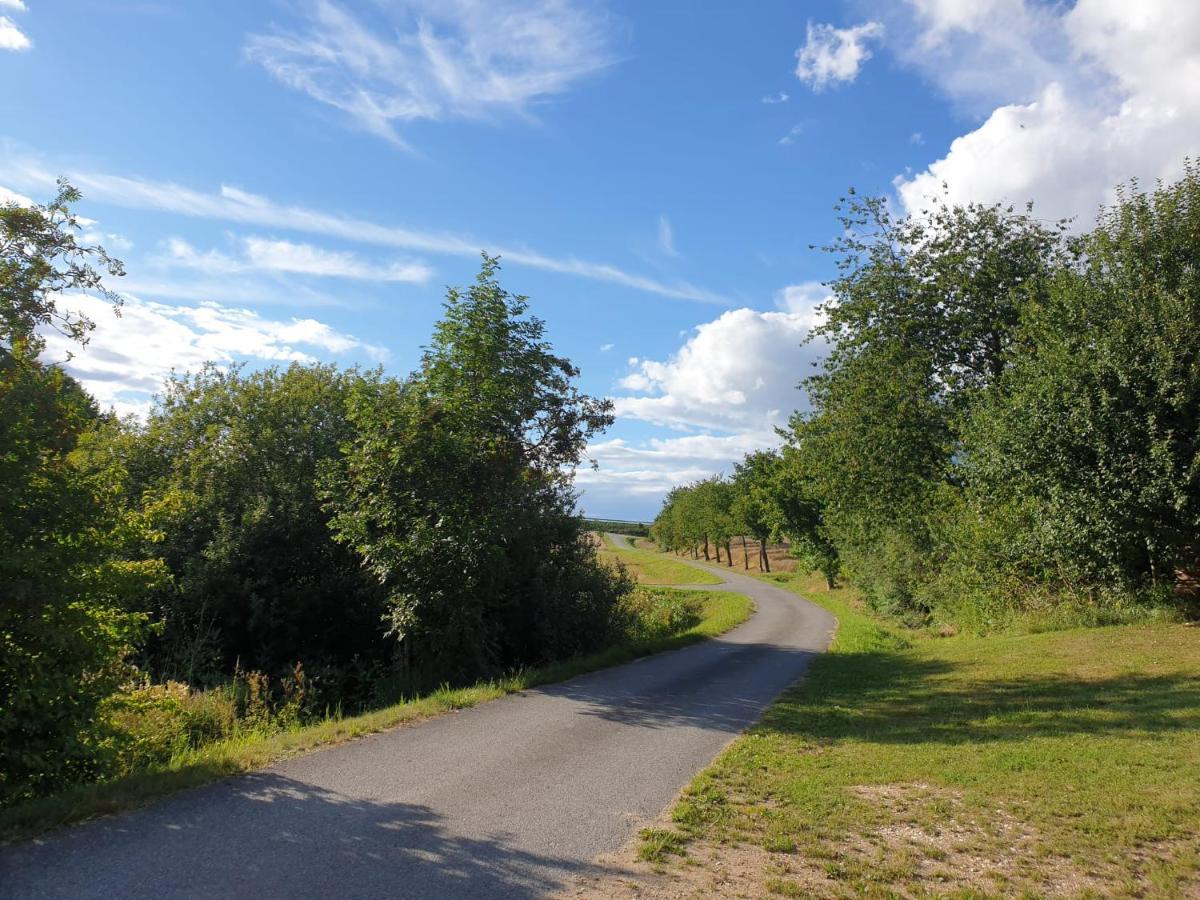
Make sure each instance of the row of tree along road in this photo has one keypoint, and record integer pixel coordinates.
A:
(1006, 426)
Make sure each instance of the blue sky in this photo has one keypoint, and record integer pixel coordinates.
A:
(300, 180)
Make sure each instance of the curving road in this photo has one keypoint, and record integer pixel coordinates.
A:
(510, 799)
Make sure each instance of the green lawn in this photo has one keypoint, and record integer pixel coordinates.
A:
(651, 567)
(908, 764)
(710, 614)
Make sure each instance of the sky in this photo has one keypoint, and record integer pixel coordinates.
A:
(302, 179)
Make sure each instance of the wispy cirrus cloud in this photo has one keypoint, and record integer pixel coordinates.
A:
(666, 236)
(232, 204)
(258, 254)
(435, 59)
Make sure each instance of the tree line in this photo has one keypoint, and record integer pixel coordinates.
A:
(296, 539)
(1006, 424)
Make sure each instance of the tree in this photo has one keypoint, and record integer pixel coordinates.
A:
(40, 258)
(456, 490)
(754, 507)
(923, 327)
(1089, 458)
(69, 601)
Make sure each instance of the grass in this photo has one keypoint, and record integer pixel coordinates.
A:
(651, 567)
(907, 764)
(718, 612)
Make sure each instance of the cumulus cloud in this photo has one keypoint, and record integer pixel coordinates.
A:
(232, 204)
(260, 254)
(435, 59)
(127, 359)
(737, 373)
(834, 55)
(9, 196)
(649, 470)
(11, 37)
(726, 389)
(1100, 92)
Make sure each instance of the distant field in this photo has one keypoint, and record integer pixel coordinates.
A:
(651, 567)
(1056, 764)
(618, 526)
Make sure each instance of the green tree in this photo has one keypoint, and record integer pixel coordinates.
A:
(69, 600)
(1088, 460)
(924, 324)
(754, 506)
(40, 258)
(456, 490)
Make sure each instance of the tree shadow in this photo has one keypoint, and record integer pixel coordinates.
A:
(718, 685)
(896, 698)
(265, 835)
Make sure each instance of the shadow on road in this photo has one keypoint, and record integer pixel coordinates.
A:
(265, 835)
(718, 685)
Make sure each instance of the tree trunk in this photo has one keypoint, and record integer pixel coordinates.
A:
(718, 543)
(729, 553)
(706, 557)
(745, 554)
(766, 560)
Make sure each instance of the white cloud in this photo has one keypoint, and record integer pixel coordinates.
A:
(235, 205)
(831, 55)
(737, 373)
(651, 469)
(794, 132)
(604, 348)
(7, 196)
(916, 138)
(804, 301)
(11, 37)
(18, 5)
(127, 359)
(435, 59)
(781, 97)
(666, 236)
(1103, 91)
(728, 387)
(267, 255)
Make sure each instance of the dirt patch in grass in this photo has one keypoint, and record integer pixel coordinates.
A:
(961, 855)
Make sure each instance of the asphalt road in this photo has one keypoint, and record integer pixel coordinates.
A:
(510, 799)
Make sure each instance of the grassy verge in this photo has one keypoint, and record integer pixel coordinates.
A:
(1061, 763)
(651, 567)
(716, 613)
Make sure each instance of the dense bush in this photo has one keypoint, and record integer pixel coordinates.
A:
(227, 465)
